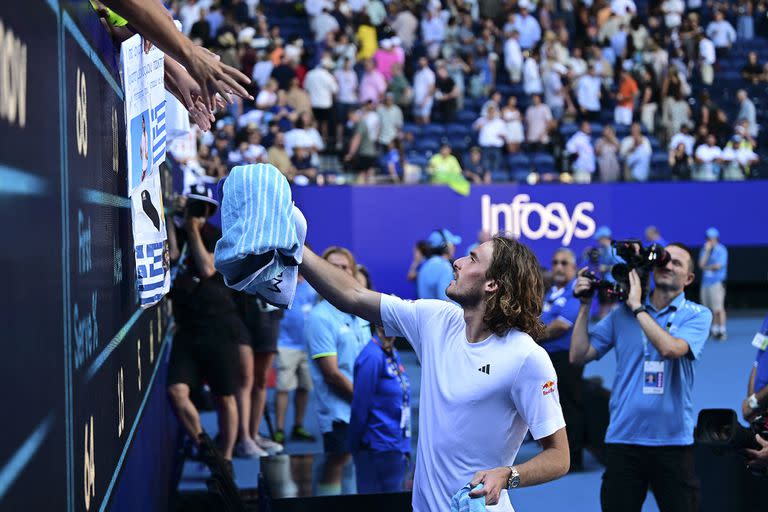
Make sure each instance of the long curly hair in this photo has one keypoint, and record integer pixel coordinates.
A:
(517, 302)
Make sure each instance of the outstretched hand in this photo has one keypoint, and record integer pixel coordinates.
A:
(213, 76)
(179, 83)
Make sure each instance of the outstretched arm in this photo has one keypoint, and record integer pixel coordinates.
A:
(340, 289)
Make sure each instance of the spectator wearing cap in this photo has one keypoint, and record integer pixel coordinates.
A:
(625, 99)
(580, 147)
(322, 86)
(636, 152)
(423, 92)
(713, 261)
(373, 85)
(386, 56)
(391, 118)
(437, 272)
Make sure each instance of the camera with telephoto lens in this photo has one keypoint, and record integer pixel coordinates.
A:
(720, 430)
(636, 257)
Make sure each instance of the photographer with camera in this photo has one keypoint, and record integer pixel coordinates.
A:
(657, 339)
(756, 403)
(600, 259)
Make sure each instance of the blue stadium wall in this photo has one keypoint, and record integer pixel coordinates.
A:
(85, 425)
(382, 224)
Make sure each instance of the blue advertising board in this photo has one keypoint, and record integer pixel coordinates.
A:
(382, 224)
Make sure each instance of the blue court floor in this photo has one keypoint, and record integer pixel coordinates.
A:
(721, 382)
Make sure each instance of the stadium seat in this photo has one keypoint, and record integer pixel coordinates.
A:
(433, 129)
(427, 143)
(466, 116)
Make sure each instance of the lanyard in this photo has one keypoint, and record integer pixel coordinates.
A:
(668, 328)
(401, 379)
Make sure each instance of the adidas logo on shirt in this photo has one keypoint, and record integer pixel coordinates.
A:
(485, 369)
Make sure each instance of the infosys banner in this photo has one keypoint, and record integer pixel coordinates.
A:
(381, 224)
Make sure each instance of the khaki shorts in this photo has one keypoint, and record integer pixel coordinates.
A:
(713, 297)
(293, 370)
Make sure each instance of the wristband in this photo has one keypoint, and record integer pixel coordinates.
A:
(639, 310)
(752, 401)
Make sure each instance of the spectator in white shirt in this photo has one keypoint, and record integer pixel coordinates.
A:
(554, 91)
(262, 70)
(636, 152)
(528, 27)
(324, 24)
(683, 137)
(433, 33)
(513, 56)
(532, 83)
(267, 97)
(346, 97)
(709, 156)
(391, 119)
(538, 117)
(492, 130)
(707, 58)
(588, 95)
(322, 87)
(580, 145)
(423, 92)
(673, 13)
(722, 34)
(190, 13)
(315, 7)
(623, 8)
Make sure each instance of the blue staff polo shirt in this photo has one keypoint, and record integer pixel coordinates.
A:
(292, 324)
(761, 362)
(718, 256)
(330, 332)
(434, 277)
(652, 420)
(560, 303)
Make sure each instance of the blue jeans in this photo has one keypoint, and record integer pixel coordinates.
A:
(379, 471)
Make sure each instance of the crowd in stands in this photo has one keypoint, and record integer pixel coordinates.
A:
(516, 90)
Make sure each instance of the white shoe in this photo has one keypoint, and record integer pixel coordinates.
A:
(270, 446)
(248, 449)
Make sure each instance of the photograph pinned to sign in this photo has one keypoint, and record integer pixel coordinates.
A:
(150, 240)
(142, 73)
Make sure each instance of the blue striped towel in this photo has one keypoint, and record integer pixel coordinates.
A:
(461, 502)
(259, 239)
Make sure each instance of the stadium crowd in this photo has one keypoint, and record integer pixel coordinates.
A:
(488, 91)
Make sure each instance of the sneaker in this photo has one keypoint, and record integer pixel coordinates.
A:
(248, 449)
(271, 447)
(301, 434)
(279, 437)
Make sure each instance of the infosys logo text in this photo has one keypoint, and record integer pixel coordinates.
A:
(534, 221)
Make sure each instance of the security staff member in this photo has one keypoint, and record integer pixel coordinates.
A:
(756, 402)
(649, 441)
(558, 315)
(437, 272)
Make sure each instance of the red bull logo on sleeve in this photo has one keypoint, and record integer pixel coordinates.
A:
(548, 387)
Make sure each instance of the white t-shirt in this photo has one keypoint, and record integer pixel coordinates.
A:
(588, 92)
(680, 138)
(321, 87)
(581, 144)
(721, 33)
(347, 81)
(708, 154)
(623, 7)
(477, 401)
(423, 81)
(492, 132)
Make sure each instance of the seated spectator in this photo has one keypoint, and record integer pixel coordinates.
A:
(579, 146)
(515, 133)
(636, 152)
(278, 156)
(738, 157)
(282, 113)
(267, 97)
(297, 98)
(373, 85)
(607, 150)
(709, 157)
(302, 162)
(443, 165)
(753, 71)
(391, 118)
(492, 130)
(322, 87)
(395, 160)
(680, 162)
(446, 95)
(625, 99)
(722, 34)
(474, 170)
(538, 118)
(423, 92)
